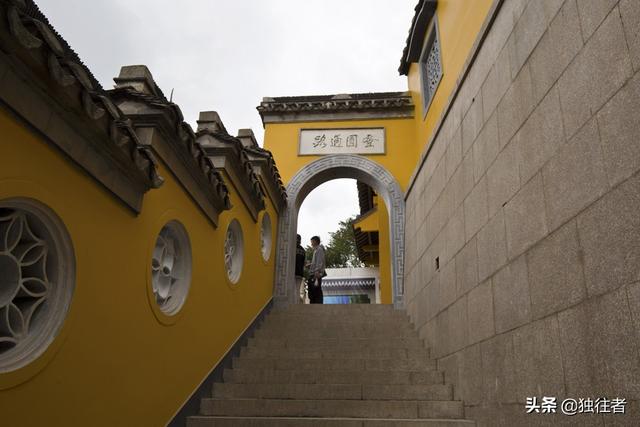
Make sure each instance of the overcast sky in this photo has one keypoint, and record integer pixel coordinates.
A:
(227, 55)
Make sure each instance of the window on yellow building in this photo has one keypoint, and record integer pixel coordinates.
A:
(430, 66)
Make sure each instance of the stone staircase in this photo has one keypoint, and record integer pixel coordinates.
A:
(333, 365)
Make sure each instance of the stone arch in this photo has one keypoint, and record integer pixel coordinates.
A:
(309, 177)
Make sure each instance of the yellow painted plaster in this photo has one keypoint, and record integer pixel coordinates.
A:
(459, 22)
(282, 140)
(369, 222)
(114, 362)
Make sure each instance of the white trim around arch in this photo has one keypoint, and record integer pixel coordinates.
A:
(309, 177)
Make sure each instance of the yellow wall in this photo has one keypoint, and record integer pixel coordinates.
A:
(369, 222)
(114, 362)
(459, 22)
(282, 141)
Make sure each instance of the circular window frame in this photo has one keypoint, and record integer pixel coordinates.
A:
(234, 235)
(266, 234)
(56, 264)
(169, 314)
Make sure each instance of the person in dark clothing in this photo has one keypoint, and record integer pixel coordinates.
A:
(300, 258)
(316, 272)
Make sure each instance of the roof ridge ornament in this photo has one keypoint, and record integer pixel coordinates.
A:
(160, 122)
(336, 107)
(226, 152)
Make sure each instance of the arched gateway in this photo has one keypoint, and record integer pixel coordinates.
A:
(309, 177)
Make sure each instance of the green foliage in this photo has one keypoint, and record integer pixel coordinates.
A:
(341, 250)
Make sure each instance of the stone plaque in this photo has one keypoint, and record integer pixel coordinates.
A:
(318, 142)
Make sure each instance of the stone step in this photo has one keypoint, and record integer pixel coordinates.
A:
(346, 319)
(335, 333)
(372, 328)
(339, 308)
(372, 310)
(328, 343)
(332, 353)
(332, 408)
(369, 328)
(318, 376)
(211, 421)
(392, 318)
(422, 364)
(333, 391)
(337, 322)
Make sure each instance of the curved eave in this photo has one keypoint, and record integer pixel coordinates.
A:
(46, 86)
(424, 12)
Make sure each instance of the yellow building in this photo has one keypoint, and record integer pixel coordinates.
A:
(135, 252)
(155, 244)
(301, 130)
(376, 129)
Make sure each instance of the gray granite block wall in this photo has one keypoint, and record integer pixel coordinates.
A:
(530, 198)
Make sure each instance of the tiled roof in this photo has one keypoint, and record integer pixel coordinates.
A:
(184, 135)
(365, 197)
(424, 11)
(337, 103)
(273, 169)
(247, 169)
(50, 59)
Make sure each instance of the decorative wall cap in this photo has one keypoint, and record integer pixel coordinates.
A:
(392, 104)
(143, 102)
(264, 161)
(247, 138)
(211, 120)
(44, 59)
(424, 11)
(227, 153)
(139, 78)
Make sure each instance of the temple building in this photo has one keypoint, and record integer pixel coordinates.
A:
(147, 266)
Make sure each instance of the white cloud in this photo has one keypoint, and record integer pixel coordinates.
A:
(325, 207)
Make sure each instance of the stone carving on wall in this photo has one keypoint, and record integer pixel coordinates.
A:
(234, 251)
(37, 272)
(171, 267)
(265, 237)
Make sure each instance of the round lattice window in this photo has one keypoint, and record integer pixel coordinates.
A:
(265, 236)
(234, 251)
(171, 267)
(37, 273)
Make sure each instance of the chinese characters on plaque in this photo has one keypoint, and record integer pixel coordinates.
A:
(341, 141)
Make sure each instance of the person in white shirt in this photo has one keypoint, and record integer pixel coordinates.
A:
(316, 272)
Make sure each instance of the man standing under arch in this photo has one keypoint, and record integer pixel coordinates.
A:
(316, 272)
